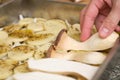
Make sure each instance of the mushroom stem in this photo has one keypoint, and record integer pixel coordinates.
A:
(88, 57)
(59, 65)
(40, 76)
(94, 43)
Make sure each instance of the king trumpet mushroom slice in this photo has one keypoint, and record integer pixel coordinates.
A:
(40, 76)
(94, 43)
(61, 66)
(94, 58)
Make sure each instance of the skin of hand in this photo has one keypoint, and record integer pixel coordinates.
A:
(104, 14)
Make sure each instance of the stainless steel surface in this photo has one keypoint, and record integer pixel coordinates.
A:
(47, 9)
(39, 8)
(5, 2)
(110, 69)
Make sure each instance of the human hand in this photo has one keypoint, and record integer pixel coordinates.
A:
(105, 14)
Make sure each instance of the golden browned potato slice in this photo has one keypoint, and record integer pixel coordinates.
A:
(3, 51)
(21, 33)
(18, 36)
(41, 50)
(39, 55)
(20, 53)
(11, 28)
(22, 68)
(40, 39)
(6, 68)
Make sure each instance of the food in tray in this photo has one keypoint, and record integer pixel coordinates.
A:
(4, 49)
(40, 76)
(3, 37)
(39, 38)
(22, 68)
(88, 57)
(62, 66)
(21, 53)
(6, 67)
(64, 42)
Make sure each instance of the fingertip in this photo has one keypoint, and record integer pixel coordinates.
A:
(84, 37)
(104, 32)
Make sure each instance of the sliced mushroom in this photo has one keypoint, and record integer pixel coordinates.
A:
(94, 58)
(94, 43)
(61, 66)
(40, 76)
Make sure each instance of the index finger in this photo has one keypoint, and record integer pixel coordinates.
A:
(89, 17)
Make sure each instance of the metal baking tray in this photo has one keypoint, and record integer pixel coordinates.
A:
(39, 8)
(109, 70)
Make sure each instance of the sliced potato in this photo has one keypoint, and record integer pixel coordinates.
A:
(3, 50)
(40, 20)
(74, 33)
(36, 27)
(20, 53)
(41, 50)
(21, 33)
(6, 68)
(15, 41)
(22, 68)
(18, 36)
(44, 47)
(55, 26)
(12, 28)
(76, 27)
(40, 39)
(3, 37)
(26, 21)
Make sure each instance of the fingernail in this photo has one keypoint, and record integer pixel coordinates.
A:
(104, 32)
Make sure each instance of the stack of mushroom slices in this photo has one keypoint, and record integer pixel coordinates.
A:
(69, 59)
(90, 52)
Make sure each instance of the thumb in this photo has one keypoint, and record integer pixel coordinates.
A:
(109, 24)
